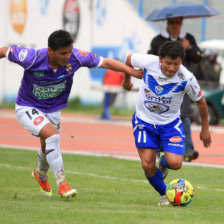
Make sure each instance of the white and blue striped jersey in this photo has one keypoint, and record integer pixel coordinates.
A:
(160, 97)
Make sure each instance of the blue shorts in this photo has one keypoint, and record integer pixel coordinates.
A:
(168, 136)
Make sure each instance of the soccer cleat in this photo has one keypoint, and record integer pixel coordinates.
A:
(162, 169)
(45, 187)
(189, 156)
(66, 191)
(163, 200)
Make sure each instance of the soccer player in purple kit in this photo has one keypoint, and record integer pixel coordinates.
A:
(44, 91)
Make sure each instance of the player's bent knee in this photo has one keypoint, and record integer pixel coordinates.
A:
(47, 131)
(176, 165)
(53, 138)
(147, 165)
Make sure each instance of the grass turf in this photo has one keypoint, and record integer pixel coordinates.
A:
(110, 191)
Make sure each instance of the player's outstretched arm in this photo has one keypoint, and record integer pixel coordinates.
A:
(205, 134)
(3, 52)
(116, 65)
(127, 84)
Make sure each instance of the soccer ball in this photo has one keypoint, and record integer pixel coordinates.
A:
(179, 192)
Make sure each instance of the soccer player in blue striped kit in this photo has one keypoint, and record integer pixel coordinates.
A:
(156, 121)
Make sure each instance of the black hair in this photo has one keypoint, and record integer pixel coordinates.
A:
(59, 39)
(172, 49)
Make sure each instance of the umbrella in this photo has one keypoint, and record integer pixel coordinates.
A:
(182, 9)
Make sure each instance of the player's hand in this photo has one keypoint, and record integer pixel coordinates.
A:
(185, 43)
(138, 73)
(206, 138)
(127, 85)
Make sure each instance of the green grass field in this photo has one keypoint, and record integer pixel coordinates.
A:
(75, 106)
(111, 191)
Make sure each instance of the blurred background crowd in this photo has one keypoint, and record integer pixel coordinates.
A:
(112, 28)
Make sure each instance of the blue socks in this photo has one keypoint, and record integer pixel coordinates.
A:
(157, 182)
(163, 162)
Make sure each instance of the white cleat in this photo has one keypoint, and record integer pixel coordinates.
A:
(163, 200)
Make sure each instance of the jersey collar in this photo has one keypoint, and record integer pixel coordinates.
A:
(165, 34)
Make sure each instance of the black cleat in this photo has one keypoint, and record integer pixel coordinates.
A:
(189, 156)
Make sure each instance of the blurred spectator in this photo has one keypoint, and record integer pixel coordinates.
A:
(209, 69)
(111, 78)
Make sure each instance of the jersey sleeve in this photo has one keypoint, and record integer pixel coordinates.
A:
(193, 89)
(87, 59)
(141, 60)
(22, 56)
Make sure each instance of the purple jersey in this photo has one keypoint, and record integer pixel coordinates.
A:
(41, 86)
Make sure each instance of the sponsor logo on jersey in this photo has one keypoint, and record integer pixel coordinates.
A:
(174, 144)
(11, 50)
(162, 78)
(147, 93)
(200, 93)
(181, 75)
(175, 139)
(83, 52)
(61, 76)
(38, 120)
(39, 74)
(192, 88)
(68, 68)
(156, 107)
(161, 100)
(23, 54)
(46, 92)
(158, 89)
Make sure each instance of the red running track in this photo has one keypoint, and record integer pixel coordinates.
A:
(90, 135)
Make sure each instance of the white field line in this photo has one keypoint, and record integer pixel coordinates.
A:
(103, 177)
(108, 154)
